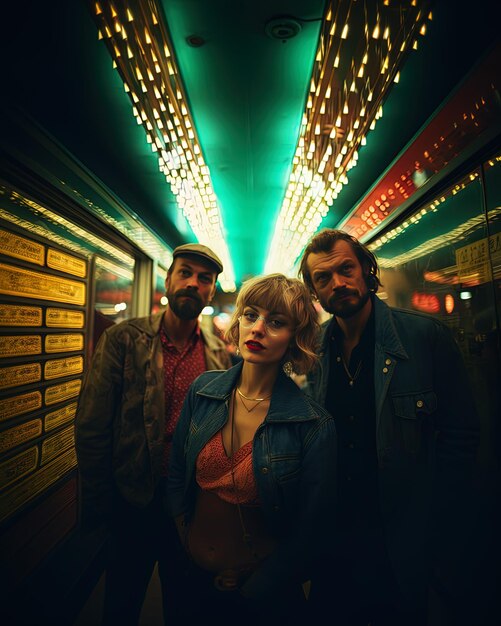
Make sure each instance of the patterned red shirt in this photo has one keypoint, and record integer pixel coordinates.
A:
(230, 479)
(180, 370)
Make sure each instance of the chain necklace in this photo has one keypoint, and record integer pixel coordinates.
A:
(246, 536)
(351, 378)
(256, 400)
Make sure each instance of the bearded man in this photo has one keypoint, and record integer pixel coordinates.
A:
(127, 411)
(407, 430)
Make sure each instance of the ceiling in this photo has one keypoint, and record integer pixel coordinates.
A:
(245, 91)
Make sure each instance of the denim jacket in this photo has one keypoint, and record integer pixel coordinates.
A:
(294, 463)
(121, 414)
(427, 429)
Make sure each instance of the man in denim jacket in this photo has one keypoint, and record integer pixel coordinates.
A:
(127, 412)
(407, 429)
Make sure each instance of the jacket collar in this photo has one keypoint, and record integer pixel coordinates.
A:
(152, 323)
(288, 403)
(386, 335)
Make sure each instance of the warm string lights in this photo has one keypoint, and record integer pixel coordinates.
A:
(453, 235)
(437, 242)
(49, 217)
(472, 111)
(130, 226)
(361, 49)
(140, 46)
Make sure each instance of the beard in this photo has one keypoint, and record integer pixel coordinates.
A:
(343, 307)
(187, 309)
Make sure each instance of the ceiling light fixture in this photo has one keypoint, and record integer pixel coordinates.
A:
(195, 41)
(361, 49)
(137, 38)
(282, 28)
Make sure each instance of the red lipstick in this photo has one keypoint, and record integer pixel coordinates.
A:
(254, 346)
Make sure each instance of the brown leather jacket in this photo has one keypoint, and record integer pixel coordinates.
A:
(120, 417)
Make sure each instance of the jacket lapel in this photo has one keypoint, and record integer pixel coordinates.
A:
(388, 351)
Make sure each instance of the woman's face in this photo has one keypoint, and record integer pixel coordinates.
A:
(264, 335)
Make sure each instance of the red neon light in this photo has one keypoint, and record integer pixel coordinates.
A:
(426, 302)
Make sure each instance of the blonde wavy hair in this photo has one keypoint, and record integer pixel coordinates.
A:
(288, 296)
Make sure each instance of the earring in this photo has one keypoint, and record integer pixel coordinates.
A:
(287, 367)
(237, 351)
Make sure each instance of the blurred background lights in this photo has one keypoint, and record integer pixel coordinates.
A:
(449, 303)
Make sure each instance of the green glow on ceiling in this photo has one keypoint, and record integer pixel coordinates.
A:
(229, 96)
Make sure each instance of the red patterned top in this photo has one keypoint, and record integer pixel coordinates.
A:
(180, 370)
(214, 472)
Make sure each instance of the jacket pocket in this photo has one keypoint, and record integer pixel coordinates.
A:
(413, 414)
(286, 474)
(286, 467)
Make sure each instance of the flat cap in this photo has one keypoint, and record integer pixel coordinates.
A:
(197, 249)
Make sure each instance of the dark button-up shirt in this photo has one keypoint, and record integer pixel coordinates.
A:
(350, 400)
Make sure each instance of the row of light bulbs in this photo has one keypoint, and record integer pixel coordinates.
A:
(435, 243)
(140, 46)
(340, 112)
(334, 124)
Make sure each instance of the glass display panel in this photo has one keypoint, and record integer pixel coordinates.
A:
(113, 285)
(491, 330)
(159, 298)
(438, 261)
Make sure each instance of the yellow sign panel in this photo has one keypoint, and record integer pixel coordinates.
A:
(58, 393)
(57, 368)
(64, 343)
(474, 260)
(30, 487)
(66, 263)
(17, 405)
(17, 435)
(16, 281)
(18, 466)
(17, 375)
(56, 444)
(63, 318)
(60, 417)
(20, 345)
(21, 248)
(16, 315)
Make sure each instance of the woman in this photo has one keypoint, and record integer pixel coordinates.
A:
(251, 482)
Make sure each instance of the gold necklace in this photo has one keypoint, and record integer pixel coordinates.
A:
(253, 399)
(246, 536)
(256, 400)
(351, 378)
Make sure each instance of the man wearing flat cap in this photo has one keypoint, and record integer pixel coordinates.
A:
(127, 411)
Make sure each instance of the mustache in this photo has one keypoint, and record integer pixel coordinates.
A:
(188, 293)
(343, 291)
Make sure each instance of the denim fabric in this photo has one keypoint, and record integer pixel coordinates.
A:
(294, 462)
(427, 434)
